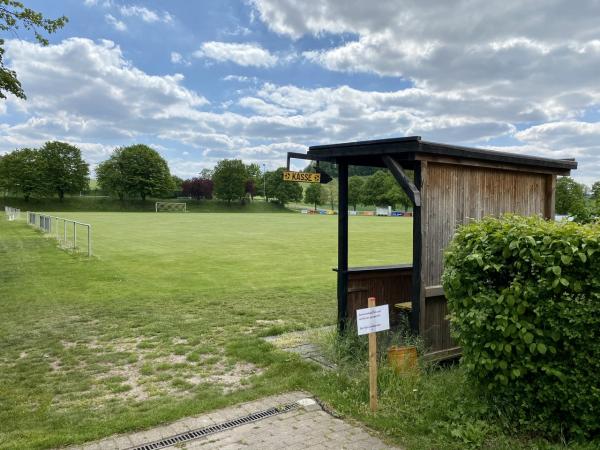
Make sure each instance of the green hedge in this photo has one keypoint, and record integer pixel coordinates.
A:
(524, 301)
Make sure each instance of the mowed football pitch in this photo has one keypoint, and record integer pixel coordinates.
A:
(166, 319)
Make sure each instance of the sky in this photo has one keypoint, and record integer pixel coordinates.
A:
(200, 81)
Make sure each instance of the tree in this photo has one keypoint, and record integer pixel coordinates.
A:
(22, 171)
(110, 176)
(596, 192)
(206, 174)
(382, 189)
(136, 170)
(198, 188)
(313, 194)
(177, 184)
(283, 191)
(331, 169)
(65, 172)
(331, 193)
(14, 16)
(250, 188)
(570, 197)
(254, 179)
(355, 188)
(229, 178)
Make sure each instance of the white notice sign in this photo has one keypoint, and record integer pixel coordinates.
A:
(372, 320)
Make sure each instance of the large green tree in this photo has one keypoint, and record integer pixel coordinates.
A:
(14, 16)
(570, 198)
(110, 176)
(22, 171)
(65, 171)
(229, 178)
(145, 172)
(355, 188)
(313, 194)
(283, 191)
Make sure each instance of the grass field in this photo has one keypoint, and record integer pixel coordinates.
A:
(164, 320)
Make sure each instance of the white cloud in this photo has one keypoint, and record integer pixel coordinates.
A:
(135, 11)
(115, 23)
(147, 15)
(239, 53)
(96, 93)
(99, 100)
(264, 108)
(178, 58)
(240, 78)
(510, 49)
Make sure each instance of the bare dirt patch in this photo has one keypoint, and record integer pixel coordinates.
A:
(146, 369)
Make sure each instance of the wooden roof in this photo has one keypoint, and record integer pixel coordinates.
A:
(406, 150)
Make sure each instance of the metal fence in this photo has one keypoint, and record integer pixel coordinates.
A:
(70, 234)
(12, 213)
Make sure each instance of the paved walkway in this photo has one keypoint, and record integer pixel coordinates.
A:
(306, 426)
(301, 343)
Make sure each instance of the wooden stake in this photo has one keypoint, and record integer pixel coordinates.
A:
(372, 363)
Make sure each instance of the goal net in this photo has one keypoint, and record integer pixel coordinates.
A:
(170, 207)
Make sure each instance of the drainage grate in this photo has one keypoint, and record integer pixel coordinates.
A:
(201, 432)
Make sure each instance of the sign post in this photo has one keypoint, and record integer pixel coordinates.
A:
(369, 321)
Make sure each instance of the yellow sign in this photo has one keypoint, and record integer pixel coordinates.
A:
(302, 177)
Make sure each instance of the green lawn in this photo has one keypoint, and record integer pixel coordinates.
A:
(165, 320)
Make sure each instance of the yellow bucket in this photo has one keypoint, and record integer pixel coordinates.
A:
(403, 359)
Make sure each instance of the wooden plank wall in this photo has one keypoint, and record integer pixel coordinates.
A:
(387, 286)
(436, 330)
(455, 194)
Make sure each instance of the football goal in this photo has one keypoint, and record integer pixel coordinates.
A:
(170, 207)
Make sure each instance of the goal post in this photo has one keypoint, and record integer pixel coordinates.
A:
(170, 207)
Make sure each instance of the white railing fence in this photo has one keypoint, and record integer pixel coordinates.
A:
(12, 213)
(70, 234)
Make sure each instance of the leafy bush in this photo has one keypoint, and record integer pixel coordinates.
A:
(524, 298)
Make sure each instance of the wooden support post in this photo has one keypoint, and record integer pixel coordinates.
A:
(416, 312)
(342, 273)
(550, 197)
(372, 363)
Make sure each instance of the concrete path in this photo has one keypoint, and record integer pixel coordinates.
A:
(302, 343)
(304, 426)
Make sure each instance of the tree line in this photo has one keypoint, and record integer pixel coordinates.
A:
(54, 169)
(379, 189)
(138, 171)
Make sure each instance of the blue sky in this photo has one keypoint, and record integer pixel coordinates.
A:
(253, 79)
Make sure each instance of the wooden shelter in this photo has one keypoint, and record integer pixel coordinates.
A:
(452, 185)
